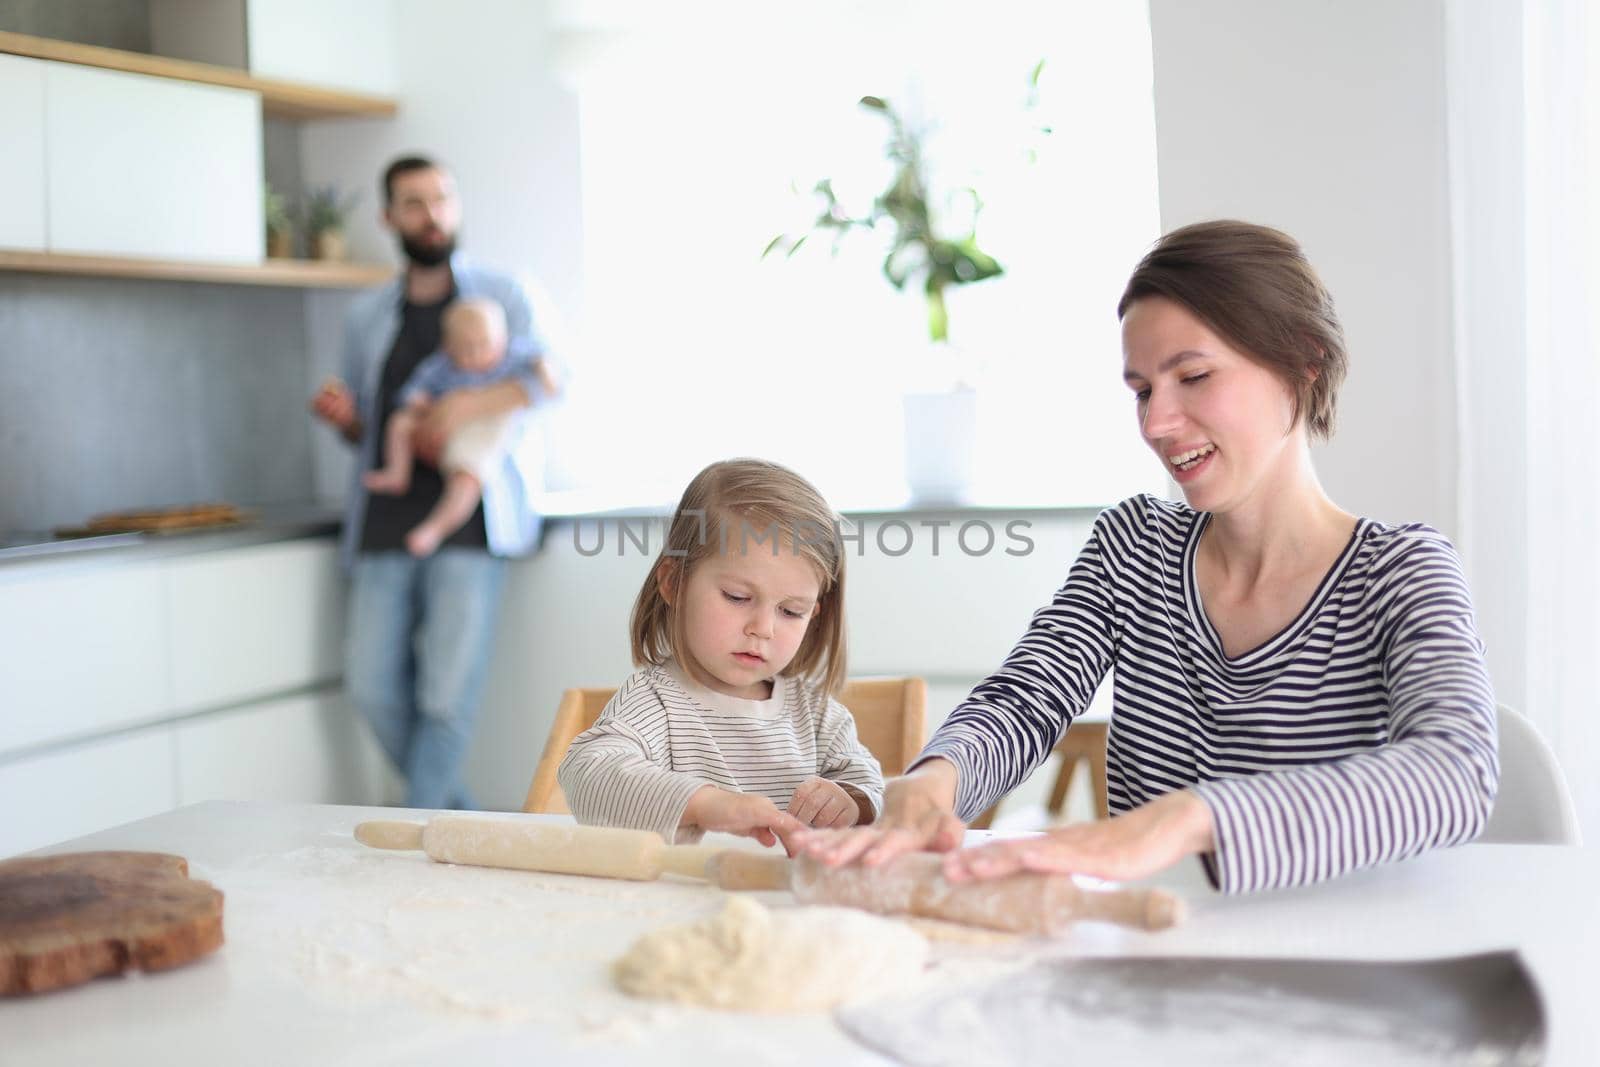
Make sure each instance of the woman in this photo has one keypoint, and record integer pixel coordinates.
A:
(1299, 693)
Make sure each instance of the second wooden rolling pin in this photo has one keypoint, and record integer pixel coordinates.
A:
(1038, 904)
(487, 841)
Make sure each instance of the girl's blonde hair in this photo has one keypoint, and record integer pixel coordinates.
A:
(742, 505)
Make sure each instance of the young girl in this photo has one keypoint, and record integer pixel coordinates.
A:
(730, 724)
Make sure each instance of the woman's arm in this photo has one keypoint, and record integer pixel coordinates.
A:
(1432, 785)
(1009, 724)
(1011, 721)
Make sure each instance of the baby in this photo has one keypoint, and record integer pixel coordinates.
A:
(473, 355)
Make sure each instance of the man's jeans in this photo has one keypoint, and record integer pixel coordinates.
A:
(421, 632)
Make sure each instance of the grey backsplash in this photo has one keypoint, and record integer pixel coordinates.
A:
(119, 393)
(121, 24)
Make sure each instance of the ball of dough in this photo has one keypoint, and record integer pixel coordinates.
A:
(751, 958)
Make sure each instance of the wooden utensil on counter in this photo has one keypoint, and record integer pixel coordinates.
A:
(1038, 904)
(484, 841)
(69, 918)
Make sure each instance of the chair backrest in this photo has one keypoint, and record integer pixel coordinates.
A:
(1534, 805)
(578, 710)
(891, 719)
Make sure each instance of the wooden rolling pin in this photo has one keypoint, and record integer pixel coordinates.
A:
(1038, 904)
(485, 841)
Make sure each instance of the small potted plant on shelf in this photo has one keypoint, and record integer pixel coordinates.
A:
(280, 227)
(327, 209)
(934, 245)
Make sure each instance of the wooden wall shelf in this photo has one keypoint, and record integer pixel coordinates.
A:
(279, 99)
(289, 273)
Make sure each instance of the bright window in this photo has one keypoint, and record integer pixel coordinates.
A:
(696, 134)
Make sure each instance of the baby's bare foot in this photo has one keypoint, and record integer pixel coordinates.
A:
(422, 541)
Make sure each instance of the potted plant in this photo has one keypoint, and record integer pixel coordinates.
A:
(280, 227)
(934, 250)
(918, 249)
(326, 211)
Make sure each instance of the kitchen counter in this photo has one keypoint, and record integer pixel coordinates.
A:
(323, 519)
(339, 954)
(266, 525)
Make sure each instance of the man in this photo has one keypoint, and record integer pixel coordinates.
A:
(421, 631)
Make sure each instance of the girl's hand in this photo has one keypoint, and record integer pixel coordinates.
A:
(918, 815)
(823, 804)
(741, 813)
(1138, 843)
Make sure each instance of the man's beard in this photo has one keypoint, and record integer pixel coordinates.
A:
(430, 255)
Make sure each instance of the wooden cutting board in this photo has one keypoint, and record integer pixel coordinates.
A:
(69, 918)
(159, 520)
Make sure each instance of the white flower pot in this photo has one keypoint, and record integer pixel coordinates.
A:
(941, 445)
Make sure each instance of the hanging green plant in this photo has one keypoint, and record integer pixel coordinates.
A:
(920, 251)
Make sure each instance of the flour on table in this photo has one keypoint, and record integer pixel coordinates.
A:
(751, 958)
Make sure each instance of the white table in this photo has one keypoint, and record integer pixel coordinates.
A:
(339, 954)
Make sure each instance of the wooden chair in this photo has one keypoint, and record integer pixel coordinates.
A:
(1083, 743)
(891, 719)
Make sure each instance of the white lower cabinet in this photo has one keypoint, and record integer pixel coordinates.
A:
(84, 651)
(130, 686)
(252, 622)
(78, 790)
(302, 749)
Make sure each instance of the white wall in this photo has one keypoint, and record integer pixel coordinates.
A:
(1488, 186)
(474, 91)
(1327, 120)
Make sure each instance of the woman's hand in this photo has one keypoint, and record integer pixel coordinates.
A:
(918, 815)
(744, 814)
(823, 804)
(1138, 843)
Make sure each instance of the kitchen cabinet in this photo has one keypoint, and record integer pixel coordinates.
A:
(248, 623)
(124, 164)
(349, 45)
(22, 133)
(131, 686)
(306, 748)
(87, 787)
(84, 652)
(143, 166)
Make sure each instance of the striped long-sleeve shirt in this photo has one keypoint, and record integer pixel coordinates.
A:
(1363, 732)
(661, 738)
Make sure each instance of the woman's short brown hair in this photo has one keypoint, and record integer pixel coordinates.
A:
(741, 505)
(1254, 286)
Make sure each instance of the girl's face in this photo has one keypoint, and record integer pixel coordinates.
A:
(1222, 424)
(745, 615)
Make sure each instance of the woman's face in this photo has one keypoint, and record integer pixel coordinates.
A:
(1222, 424)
